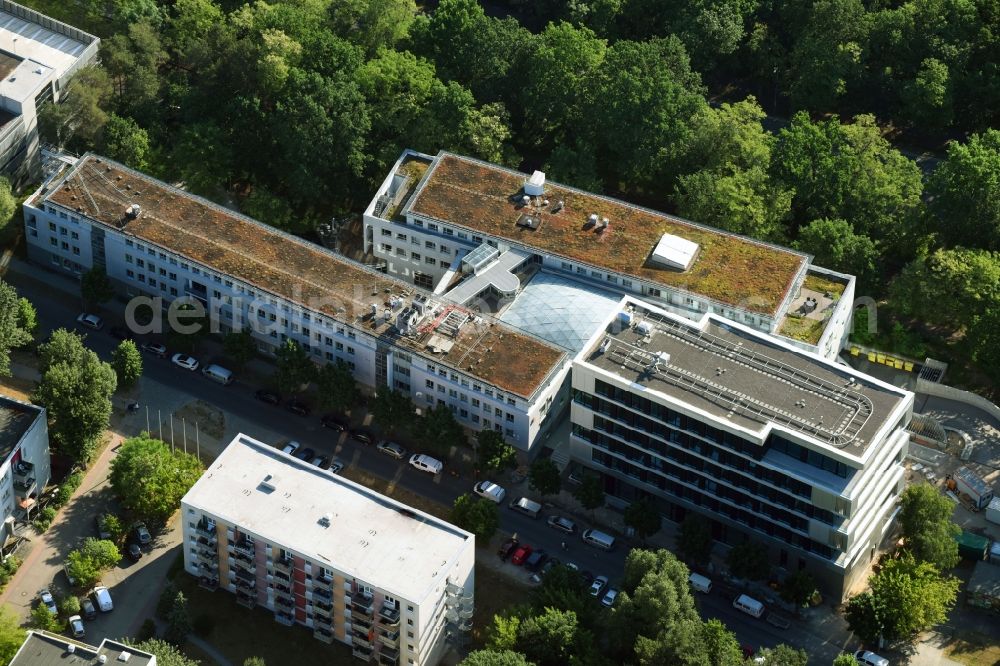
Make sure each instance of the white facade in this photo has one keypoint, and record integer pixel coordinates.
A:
(329, 554)
(24, 473)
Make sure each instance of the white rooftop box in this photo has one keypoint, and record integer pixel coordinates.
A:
(535, 186)
(675, 252)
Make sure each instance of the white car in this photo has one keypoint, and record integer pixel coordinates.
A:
(490, 491)
(48, 601)
(598, 586)
(103, 598)
(291, 447)
(154, 348)
(184, 361)
(76, 626)
(866, 658)
(336, 466)
(426, 464)
(90, 321)
(610, 597)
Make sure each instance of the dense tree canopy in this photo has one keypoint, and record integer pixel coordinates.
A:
(151, 479)
(13, 333)
(925, 517)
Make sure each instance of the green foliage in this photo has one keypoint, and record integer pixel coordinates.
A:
(8, 202)
(563, 588)
(114, 526)
(783, 655)
(178, 620)
(438, 431)
(553, 637)
(44, 619)
(147, 630)
(87, 563)
(69, 606)
(392, 409)
(254, 661)
(748, 560)
(96, 288)
(78, 119)
(13, 333)
(27, 316)
(845, 659)
(125, 141)
(11, 635)
(589, 493)
(66, 489)
(336, 387)
(166, 654)
(150, 479)
(76, 388)
(502, 633)
(127, 362)
(965, 193)
(43, 520)
(8, 567)
(798, 588)
(833, 244)
(543, 476)
(477, 515)
(493, 453)
(644, 517)
(694, 540)
(827, 57)
(240, 346)
(494, 657)
(166, 600)
(925, 518)
(294, 367)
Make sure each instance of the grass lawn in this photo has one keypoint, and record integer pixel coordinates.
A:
(975, 650)
(494, 593)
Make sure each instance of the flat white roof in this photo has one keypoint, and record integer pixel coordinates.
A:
(30, 41)
(371, 537)
(675, 251)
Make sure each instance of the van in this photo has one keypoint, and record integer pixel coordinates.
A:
(527, 507)
(700, 583)
(219, 374)
(598, 539)
(748, 605)
(866, 658)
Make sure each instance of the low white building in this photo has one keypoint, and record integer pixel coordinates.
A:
(41, 648)
(24, 450)
(321, 551)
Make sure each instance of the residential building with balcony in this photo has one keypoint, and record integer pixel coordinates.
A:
(38, 56)
(24, 450)
(159, 242)
(484, 234)
(391, 582)
(764, 440)
(41, 648)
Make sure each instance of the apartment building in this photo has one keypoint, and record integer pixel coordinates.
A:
(159, 242)
(41, 648)
(24, 450)
(318, 550)
(38, 56)
(479, 232)
(763, 439)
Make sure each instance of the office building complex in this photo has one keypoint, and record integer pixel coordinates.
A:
(24, 450)
(38, 56)
(763, 439)
(321, 551)
(477, 232)
(42, 648)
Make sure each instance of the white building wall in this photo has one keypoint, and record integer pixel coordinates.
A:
(33, 448)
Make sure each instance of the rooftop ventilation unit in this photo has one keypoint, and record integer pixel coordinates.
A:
(326, 519)
(528, 221)
(124, 656)
(644, 328)
(71, 648)
(268, 482)
(535, 186)
(133, 211)
(102, 659)
(675, 252)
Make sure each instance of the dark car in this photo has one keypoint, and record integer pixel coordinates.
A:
(297, 407)
(549, 565)
(506, 548)
(334, 422)
(270, 397)
(120, 332)
(535, 560)
(362, 436)
(134, 552)
(306, 454)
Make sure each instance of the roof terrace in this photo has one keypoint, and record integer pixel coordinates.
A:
(489, 199)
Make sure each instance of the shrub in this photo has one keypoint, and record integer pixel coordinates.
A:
(69, 606)
(66, 489)
(44, 519)
(203, 625)
(166, 601)
(8, 568)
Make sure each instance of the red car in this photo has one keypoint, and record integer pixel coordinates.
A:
(520, 555)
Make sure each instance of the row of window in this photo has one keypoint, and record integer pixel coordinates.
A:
(442, 371)
(63, 245)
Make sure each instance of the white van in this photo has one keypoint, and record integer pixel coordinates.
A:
(866, 658)
(748, 605)
(700, 583)
(218, 373)
(598, 539)
(527, 507)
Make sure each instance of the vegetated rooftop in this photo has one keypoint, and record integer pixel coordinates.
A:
(292, 268)
(730, 269)
(15, 420)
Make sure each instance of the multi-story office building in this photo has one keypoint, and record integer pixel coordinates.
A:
(158, 241)
(24, 450)
(38, 56)
(321, 551)
(476, 231)
(42, 648)
(763, 439)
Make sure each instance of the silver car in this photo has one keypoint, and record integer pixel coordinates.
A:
(76, 626)
(392, 449)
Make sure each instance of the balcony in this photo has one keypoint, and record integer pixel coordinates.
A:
(362, 653)
(323, 635)
(287, 619)
(322, 583)
(323, 611)
(23, 468)
(205, 529)
(210, 557)
(246, 599)
(389, 616)
(284, 602)
(244, 547)
(324, 595)
(362, 603)
(389, 656)
(282, 576)
(242, 566)
(283, 566)
(24, 486)
(207, 541)
(389, 638)
(361, 638)
(245, 580)
(361, 621)
(209, 583)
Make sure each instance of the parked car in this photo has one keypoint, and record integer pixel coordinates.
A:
(597, 586)
(362, 436)
(76, 626)
(154, 348)
(120, 332)
(610, 597)
(297, 407)
(392, 449)
(520, 555)
(46, 599)
(490, 491)
(506, 548)
(102, 529)
(320, 461)
(134, 552)
(536, 560)
(426, 464)
(306, 454)
(142, 534)
(866, 658)
(270, 397)
(336, 466)
(334, 422)
(102, 597)
(549, 565)
(87, 608)
(184, 361)
(291, 447)
(91, 321)
(561, 523)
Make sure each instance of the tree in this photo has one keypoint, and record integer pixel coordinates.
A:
(178, 620)
(44, 619)
(254, 661)
(563, 588)
(491, 657)
(798, 588)
(96, 288)
(336, 387)
(925, 518)
(151, 479)
(742, 201)
(493, 453)
(125, 141)
(589, 493)
(833, 244)
(78, 118)
(694, 540)
(845, 659)
(392, 409)
(748, 560)
(240, 346)
(166, 654)
(27, 316)
(438, 431)
(127, 362)
(783, 655)
(69, 606)
(113, 526)
(552, 638)
(642, 516)
(294, 367)
(13, 334)
(543, 476)
(826, 59)
(88, 563)
(965, 192)
(949, 287)
(11, 635)
(76, 388)
(477, 515)
(8, 202)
